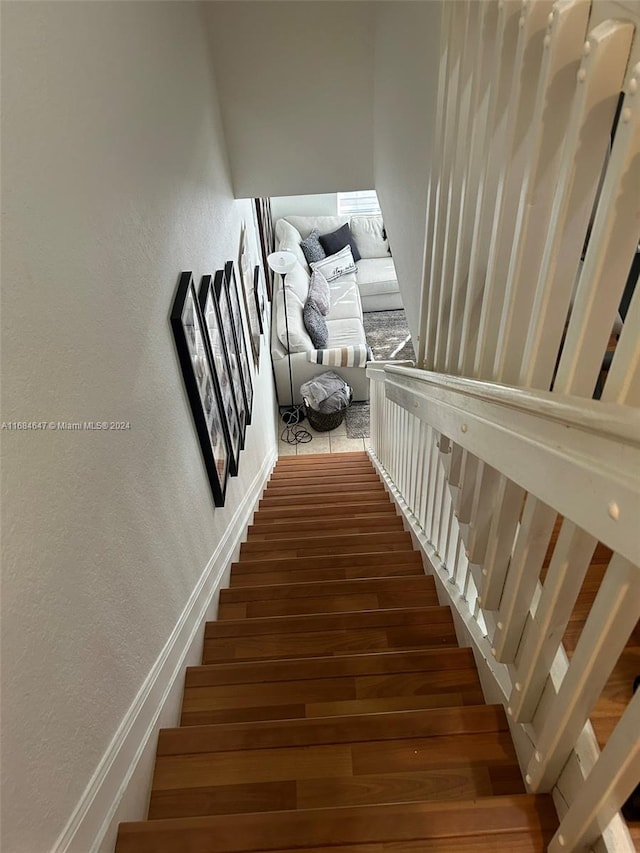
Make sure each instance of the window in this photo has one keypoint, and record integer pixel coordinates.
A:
(363, 201)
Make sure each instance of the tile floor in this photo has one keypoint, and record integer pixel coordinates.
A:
(334, 441)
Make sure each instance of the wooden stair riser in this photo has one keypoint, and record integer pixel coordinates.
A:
(280, 830)
(374, 523)
(459, 782)
(255, 578)
(329, 481)
(345, 496)
(323, 459)
(313, 590)
(328, 604)
(327, 493)
(354, 728)
(369, 559)
(341, 694)
(301, 512)
(319, 546)
(333, 762)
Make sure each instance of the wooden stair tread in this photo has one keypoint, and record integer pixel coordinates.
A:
(458, 782)
(344, 496)
(417, 660)
(279, 830)
(312, 590)
(364, 558)
(330, 597)
(329, 493)
(298, 510)
(273, 625)
(328, 479)
(318, 546)
(269, 575)
(393, 725)
(321, 527)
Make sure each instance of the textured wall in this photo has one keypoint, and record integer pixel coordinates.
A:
(114, 179)
(406, 80)
(296, 93)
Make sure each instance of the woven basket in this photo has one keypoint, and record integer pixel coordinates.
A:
(323, 423)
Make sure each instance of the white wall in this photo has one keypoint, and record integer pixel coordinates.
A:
(114, 179)
(406, 79)
(325, 204)
(296, 94)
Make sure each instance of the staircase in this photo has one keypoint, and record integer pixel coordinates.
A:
(334, 708)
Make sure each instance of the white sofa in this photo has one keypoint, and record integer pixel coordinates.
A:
(373, 287)
(376, 274)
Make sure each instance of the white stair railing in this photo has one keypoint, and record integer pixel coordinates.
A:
(533, 222)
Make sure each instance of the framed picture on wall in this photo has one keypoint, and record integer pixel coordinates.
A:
(260, 298)
(201, 385)
(251, 312)
(231, 286)
(233, 360)
(262, 208)
(234, 418)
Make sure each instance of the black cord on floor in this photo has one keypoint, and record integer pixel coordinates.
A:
(293, 432)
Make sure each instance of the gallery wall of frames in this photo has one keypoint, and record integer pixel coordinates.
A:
(218, 325)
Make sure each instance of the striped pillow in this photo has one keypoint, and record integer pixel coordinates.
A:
(354, 356)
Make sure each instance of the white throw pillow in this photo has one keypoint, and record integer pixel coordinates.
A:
(336, 265)
(299, 340)
(368, 233)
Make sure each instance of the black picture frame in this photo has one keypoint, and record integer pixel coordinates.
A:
(240, 334)
(233, 361)
(260, 297)
(250, 311)
(200, 383)
(234, 420)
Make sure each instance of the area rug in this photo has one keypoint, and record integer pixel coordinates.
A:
(357, 420)
(388, 336)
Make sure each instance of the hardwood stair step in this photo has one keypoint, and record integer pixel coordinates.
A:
(325, 767)
(336, 526)
(326, 686)
(328, 634)
(312, 546)
(328, 480)
(316, 828)
(346, 728)
(310, 460)
(348, 469)
(297, 511)
(346, 495)
(330, 596)
(317, 569)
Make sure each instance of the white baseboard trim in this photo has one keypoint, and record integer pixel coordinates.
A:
(118, 790)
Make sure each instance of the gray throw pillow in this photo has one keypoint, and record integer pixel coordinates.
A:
(337, 240)
(315, 324)
(312, 249)
(319, 292)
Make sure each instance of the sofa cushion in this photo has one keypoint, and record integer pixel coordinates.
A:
(370, 236)
(288, 239)
(315, 324)
(312, 248)
(336, 240)
(319, 292)
(336, 265)
(299, 340)
(345, 298)
(346, 332)
(324, 224)
(298, 281)
(377, 275)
